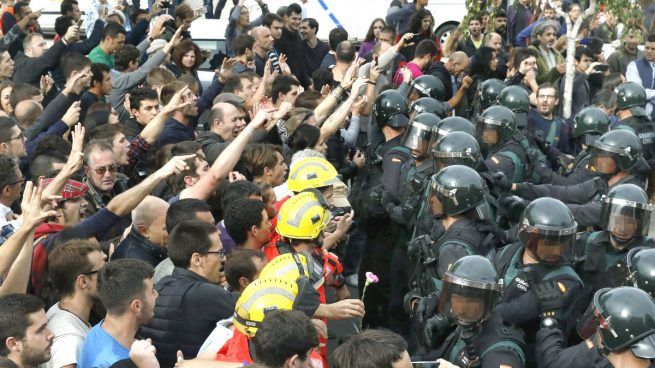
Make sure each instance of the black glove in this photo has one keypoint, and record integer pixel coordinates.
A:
(426, 308)
(436, 328)
(601, 185)
(564, 162)
(539, 140)
(389, 199)
(550, 297)
(514, 206)
(501, 181)
(417, 246)
(375, 195)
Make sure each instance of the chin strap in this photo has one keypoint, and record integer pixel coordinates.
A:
(469, 357)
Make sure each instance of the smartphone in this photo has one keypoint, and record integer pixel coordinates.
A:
(414, 38)
(602, 67)
(376, 61)
(166, 4)
(79, 22)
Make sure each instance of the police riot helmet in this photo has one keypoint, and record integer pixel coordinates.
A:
(589, 124)
(430, 105)
(391, 109)
(625, 212)
(624, 317)
(449, 125)
(457, 189)
(457, 148)
(515, 98)
(471, 288)
(418, 134)
(428, 85)
(498, 119)
(616, 150)
(641, 269)
(547, 228)
(630, 95)
(489, 91)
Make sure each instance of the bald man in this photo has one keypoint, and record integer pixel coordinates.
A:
(147, 238)
(263, 46)
(26, 113)
(449, 72)
(226, 121)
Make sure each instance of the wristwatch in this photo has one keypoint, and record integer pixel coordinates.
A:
(549, 322)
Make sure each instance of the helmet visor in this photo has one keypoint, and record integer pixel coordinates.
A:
(417, 137)
(589, 139)
(549, 246)
(445, 159)
(625, 219)
(468, 302)
(604, 162)
(487, 133)
(592, 321)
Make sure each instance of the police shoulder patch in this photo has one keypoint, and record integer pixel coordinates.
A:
(495, 160)
(396, 159)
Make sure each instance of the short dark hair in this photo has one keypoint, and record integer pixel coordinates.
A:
(283, 83)
(42, 163)
(6, 124)
(336, 36)
(309, 99)
(105, 133)
(520, 54)
(282, 335)
(233, 83)
(169, 90)
(581, 51)
(305, 136)
(239, 264)
(189, 237)
(269, 18)
(14, 319)
(183, 11)
(112, 30)
(293, 9)
(121, 281)
(67, 6)
(73, 62)
(8, 165)
(18, 7)
(240, 216)
(22, 91)
(98, 70)
(257, 157)
(345, 52)
(242, 43)
(62, 23)
(68, 261)
(547, 85)
(184, 210)
(370, 348)
(240, 189)
(426, 47)
(124, 55)
(140, 94)
(135, 16)
(312, 23)
(391, 30)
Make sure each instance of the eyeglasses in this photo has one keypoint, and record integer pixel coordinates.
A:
(90, 273)
(19, 136)
(547, 97)
(103, 169)
(21, 181)
(219, 252)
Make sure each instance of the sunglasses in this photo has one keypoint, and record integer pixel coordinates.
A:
(103, 169)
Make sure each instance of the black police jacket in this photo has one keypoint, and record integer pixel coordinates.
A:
(186, 312)
(551, 351)
(136, 246)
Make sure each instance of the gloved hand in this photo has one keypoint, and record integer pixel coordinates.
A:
(514, 206)
(416, 246)
(375, 195)
(564, 162)
(539, 139)
(426, 308)
(436, 328)
(550, 297)
(501, 181)
(389, 199)
(601, 186)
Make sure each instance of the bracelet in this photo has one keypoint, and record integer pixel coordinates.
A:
(372, 83)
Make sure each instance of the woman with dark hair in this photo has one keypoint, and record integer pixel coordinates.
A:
(371, 36)
(186, 59)
(307, 136)
(422, 25)
(5, 92)
(240, 22)
(483, 67)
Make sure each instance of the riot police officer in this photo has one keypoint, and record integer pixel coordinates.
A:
(471, 289)
(486, 95)
(457, 148)
(546, 234)
(429, 105)
(625, 215)
(630, 99)
(516, 98)
(384, 162)
(640, 263)
(495, 130)
(426, 85)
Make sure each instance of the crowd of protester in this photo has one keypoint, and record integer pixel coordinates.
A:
(438, 196)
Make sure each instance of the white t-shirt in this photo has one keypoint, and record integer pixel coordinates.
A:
(70, 333)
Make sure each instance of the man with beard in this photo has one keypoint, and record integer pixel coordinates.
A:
(550, 62)
(314, 49)
(629, 51)
(471, 43)
(26, 339)
(544, 120)
(126, 290)
(181, 125)
(245, 54)
(73, 268)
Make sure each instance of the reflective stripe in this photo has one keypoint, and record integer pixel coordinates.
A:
(295, 221)
(267, 291)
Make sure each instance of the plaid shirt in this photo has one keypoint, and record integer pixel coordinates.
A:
(138, 147)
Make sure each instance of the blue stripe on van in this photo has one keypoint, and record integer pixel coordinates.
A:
(334, 19)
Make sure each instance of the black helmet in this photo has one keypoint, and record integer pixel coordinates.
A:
(620, 145)
(429, 104)
(449, 125)
(429, 86)
(458, 189)
(471, 279)
(625, 212)
(391, 109)
(418, 133)
(625, 319)
(630, 95)
(514, 98)
(641, 269)
(499, 119)
(489, 91)
(457, 148)
(590, 123)
(547, 228)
